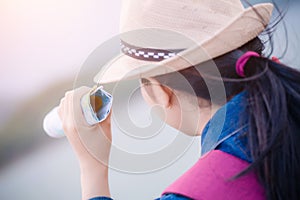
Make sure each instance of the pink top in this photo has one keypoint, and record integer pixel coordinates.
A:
(209, 179)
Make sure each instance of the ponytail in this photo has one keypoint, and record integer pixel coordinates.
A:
(274, 126)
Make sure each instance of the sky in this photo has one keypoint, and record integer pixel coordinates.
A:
(42, 42)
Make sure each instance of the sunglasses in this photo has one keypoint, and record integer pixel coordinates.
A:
(145, 82)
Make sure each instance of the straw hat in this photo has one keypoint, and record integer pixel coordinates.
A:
(162, 36)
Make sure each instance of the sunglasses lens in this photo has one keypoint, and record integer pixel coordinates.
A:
(145, 81)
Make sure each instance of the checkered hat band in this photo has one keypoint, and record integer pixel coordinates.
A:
(148, 54)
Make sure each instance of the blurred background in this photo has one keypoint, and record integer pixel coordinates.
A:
(43, 45)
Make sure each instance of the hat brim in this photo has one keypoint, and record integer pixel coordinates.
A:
(243, 28)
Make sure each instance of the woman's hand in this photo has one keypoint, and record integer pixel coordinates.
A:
(91, 144)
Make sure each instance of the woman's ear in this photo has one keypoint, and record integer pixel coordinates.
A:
(156, 93)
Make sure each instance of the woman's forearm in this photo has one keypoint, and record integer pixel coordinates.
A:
(94, 181)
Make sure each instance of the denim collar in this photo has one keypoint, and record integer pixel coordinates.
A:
(227, 128)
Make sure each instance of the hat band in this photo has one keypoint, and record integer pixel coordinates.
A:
(148, 54)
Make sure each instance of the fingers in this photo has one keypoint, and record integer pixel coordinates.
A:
(85, 139)
(61, 108)
(69, 109)
(76, 106)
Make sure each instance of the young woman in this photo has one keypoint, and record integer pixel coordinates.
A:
(255, 154)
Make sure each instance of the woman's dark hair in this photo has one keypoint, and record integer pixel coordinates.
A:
(273, 95)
